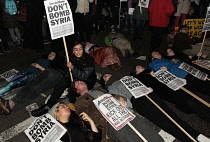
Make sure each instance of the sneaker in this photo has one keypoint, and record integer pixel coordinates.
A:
(112, 26)
(42, 110)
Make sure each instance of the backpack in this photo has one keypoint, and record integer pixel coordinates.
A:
(10, 7)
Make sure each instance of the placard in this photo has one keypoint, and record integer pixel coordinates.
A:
(195, 26)
(202, 62)
(113, 111)
(170, 80)
(135, 87)
(144, 3)
(8, 75)
(45, 129)
(206, 26)
(193, 71)
(59, 18)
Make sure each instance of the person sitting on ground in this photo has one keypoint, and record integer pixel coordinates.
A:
(77, 125)
(120, 42)
(103, 56)
(84, 103)
(183, 44)
(193, 83)
(24, 76)
(183, 101)
(145, 108)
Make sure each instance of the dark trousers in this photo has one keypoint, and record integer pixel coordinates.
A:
(156, 37)
(145, 108)
(50, 78)
(4, 40)
(83, 27)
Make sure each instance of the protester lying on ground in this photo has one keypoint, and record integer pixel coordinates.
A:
(187, 45)
(103, 56)
(24, 76)
(183, 101)
(145, 108)
(56, 77)
(80, 128)
(118, 40)
(170, 55)
(193, 83)
(84, 103)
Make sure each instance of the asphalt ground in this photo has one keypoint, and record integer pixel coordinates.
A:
(11, 126)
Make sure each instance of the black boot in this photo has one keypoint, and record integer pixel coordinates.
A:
(42, 110)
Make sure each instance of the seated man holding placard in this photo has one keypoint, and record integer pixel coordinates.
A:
(145, 108)
(193, 83)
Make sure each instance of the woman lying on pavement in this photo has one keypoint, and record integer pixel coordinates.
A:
(183, 101)
(80, 128)
(193, 83)
(145, 108)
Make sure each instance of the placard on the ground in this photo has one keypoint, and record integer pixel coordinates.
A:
(113, 111)
(59, 18)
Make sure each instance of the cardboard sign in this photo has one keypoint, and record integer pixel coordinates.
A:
(143, 3)
(130, 11)
(112, 110)
(170, 80)
(195, 26)
(45, 129)
(8, 75)
(136, 88)
(206, 26)
(59, 18)
(193, 71)
(203, 63)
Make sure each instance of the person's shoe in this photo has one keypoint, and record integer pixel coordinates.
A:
(42, 110)
(4, 107)
(112, 26)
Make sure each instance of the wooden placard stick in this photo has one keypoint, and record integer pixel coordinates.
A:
(202, 43)
(196, 97)
(137, 132)
(67, 57)
(140, 9)
(169, 117)
(203, 66)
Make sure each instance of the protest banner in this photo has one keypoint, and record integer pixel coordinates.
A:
(206, 26)
(193, 71)
(202, 63)
(59, 17)
(60, 20)
(170, 80)
(45, 129)
(135, 87)
(175, 83)
(115, 113)
(195, 26)
(8, 75)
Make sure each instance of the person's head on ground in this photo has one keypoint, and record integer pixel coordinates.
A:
(155, 55)
(137, 69)
(169, 52)
(80, 87)
(62, 112)
(51, 56)
(183, 29)
(121, 99)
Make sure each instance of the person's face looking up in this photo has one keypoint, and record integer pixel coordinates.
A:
(63, 111)
(156, 55)
(139, 69)
(51, 56)
(80, 85)
(78, 50)
(170, 52)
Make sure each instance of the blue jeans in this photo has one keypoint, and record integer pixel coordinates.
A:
(138, 27)
(50, 78)
(20, 79)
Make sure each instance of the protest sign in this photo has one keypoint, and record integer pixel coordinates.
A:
(206, 26)
(8, 75)
(193, 71)
(59, 17)
(45, 129)
(170, 80)
(195, 26)
(136, 88)
(143, 3)
(112, 110)
(204, 63)
(130, 11)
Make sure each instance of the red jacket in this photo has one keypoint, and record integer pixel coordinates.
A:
(160, 12)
